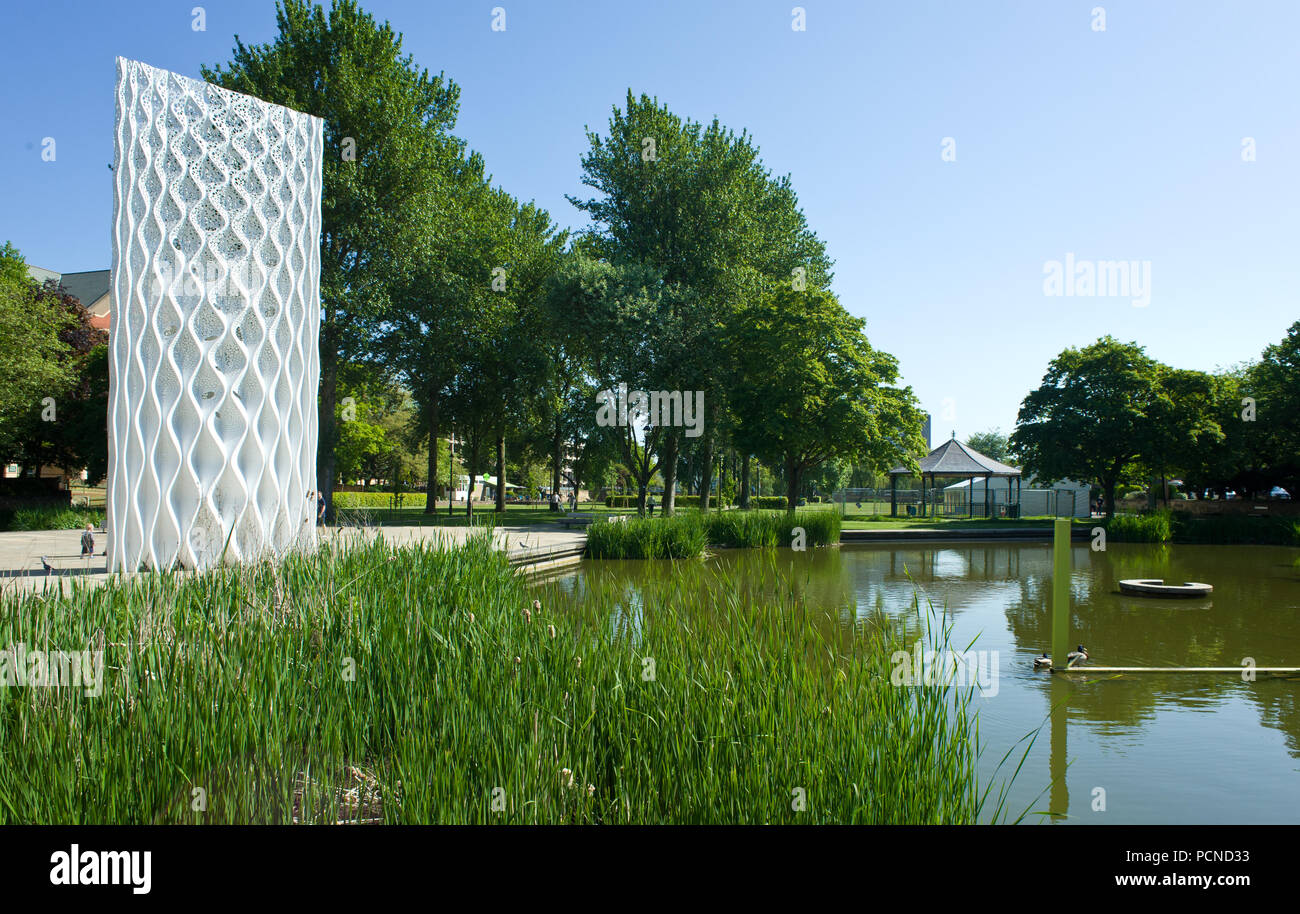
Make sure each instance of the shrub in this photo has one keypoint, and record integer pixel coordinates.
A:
(55, 518)
(377, 499)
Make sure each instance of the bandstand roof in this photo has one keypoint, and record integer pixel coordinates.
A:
(952, 458)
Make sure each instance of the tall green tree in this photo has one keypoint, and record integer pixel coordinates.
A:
(694, 203)
(33, 358)
(1274, 386)
(1089, 419)
(574, 294)
(809, 388)
(53, 376)
(386, 123)
(1180, 422)
(992, 443)
(442, 297)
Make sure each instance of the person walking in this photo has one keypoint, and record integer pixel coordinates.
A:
(88, 540)
(320, 508)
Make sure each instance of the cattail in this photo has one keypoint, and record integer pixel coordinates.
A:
(550, 630)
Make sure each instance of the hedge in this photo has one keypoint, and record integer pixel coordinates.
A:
(377, 499)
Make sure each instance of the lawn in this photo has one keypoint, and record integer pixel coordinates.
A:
(513, 516)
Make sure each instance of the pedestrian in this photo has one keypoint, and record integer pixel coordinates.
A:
(88, 540)
(320, 508)
(652, 506)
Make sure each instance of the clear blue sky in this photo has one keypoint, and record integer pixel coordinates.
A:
(1117, 145)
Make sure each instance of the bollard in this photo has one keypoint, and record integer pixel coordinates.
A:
(1060, 593)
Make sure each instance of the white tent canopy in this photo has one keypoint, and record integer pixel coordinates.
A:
(1065, 498)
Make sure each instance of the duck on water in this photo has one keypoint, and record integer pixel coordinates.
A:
(1078, 655)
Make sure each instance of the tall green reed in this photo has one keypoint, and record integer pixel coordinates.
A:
(417, 685)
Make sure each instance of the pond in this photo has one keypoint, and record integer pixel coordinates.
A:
(1155, 748)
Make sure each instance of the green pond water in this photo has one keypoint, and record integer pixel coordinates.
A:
(1153, 748)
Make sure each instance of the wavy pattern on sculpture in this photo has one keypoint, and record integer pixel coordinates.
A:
(214, 361)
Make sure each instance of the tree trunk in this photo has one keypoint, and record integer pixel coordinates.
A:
(557, 458)
(640, 496)
(431, 496)
(744, 483)
(669, 464)
(1108, 485)
(473, 464)
(501, 473)
(328, 431)
(706, 481)
(792, 482)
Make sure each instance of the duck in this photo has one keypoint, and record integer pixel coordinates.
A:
(1078, 655)
(1042, 662)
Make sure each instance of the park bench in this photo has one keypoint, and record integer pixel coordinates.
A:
(577, 519)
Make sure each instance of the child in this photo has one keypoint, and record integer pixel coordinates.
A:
(88, 540)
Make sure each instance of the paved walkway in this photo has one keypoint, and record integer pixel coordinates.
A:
(21, 554)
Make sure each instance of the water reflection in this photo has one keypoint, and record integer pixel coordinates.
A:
(1164, 748)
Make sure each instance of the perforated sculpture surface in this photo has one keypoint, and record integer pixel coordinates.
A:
(216, 314)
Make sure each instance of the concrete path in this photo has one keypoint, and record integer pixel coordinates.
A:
(21, 569)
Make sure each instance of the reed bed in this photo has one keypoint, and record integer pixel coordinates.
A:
(1154, 527)
(422, 686)
(689, 533)
(1218, 529)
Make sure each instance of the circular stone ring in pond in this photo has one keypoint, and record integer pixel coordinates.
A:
(1158, 588)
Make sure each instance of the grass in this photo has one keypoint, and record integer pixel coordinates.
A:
(1156, 527)
(681, 536)
(688, 533)
(72, 518)
(421, 686)
(514, 516)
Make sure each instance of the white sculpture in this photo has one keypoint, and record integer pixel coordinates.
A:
(216, 313)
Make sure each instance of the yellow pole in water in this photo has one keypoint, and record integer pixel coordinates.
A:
(1060, 593)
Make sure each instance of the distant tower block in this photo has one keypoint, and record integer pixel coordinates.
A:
(216, 314)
